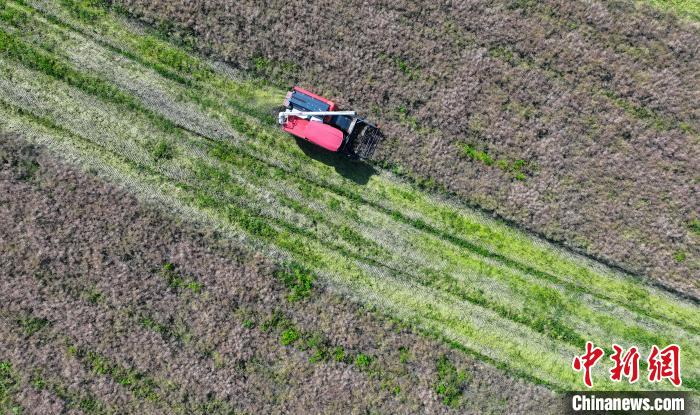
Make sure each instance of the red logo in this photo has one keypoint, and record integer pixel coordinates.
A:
(625, 365)
(586, 361)
(663, 364)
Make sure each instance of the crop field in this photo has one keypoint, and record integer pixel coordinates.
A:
(131, 311)
(577, 120)
(199, 140)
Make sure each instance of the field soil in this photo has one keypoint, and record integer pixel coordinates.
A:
(576, 120)
(93, 321)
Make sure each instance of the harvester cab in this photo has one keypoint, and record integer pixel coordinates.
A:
(318, 120)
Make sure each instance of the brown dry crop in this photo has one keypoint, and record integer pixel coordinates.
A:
(110, 305)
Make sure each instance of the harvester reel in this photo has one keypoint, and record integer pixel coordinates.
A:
(366, 142)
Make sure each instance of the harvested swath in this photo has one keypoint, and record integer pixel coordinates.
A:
(582, 116)
(88, 259)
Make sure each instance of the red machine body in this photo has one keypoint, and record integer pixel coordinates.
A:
(322, 135)
(318, 120)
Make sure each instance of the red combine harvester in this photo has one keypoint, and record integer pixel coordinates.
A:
(318, 120)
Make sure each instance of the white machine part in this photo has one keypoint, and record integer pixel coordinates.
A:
(310, 115)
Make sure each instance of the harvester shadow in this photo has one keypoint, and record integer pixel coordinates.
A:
(355, 170)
